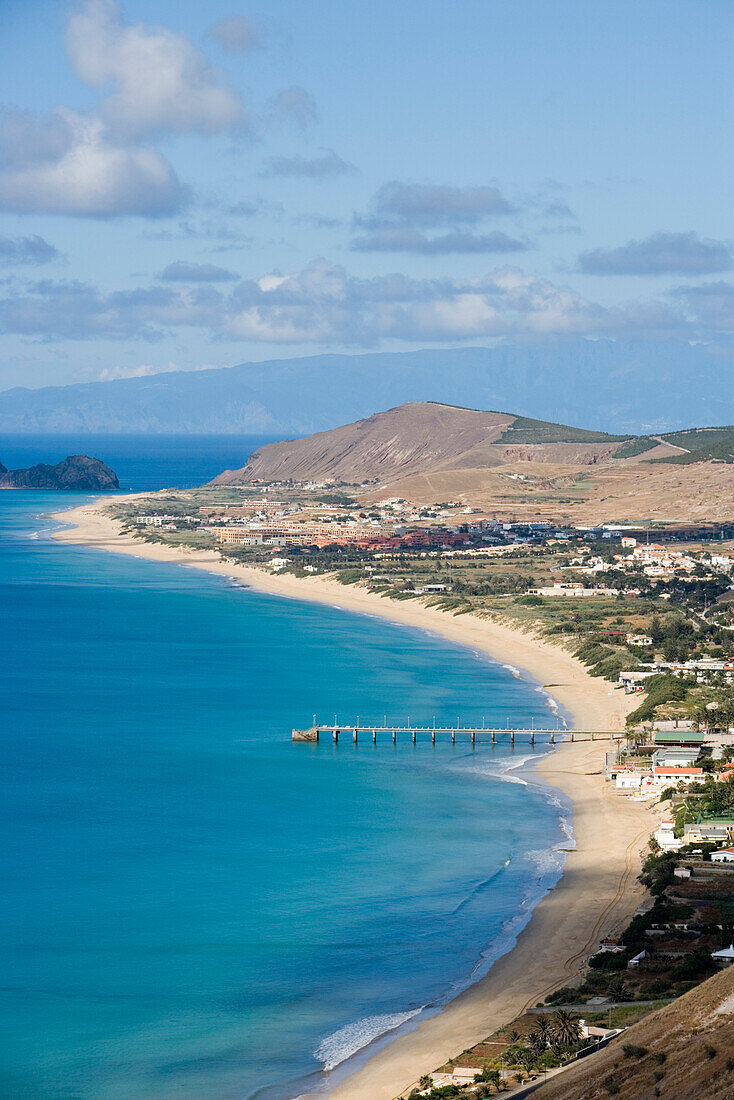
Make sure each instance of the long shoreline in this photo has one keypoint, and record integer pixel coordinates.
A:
(598, 891)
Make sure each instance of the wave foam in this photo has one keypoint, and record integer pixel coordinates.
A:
(515, 671)
(348, 1040)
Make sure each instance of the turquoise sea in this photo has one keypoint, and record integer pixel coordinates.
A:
(192, 906)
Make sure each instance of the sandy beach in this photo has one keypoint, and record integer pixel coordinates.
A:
(598, 892)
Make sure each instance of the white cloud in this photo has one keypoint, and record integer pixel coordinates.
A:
(324, 304)
(69, 164)
(161, 82)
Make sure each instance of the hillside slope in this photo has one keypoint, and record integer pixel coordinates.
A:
(422, 438)
(689, 1044)
(406, 440)
(505, 465)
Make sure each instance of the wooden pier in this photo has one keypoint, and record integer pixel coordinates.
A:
(467, 734)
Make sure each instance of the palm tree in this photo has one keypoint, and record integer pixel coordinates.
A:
(538, 1041)
(542, 1026)
(617, 989)
(491, 1077)
(565, 1027)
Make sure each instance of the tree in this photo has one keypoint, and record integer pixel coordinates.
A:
(540, 1035)
(565, 1028)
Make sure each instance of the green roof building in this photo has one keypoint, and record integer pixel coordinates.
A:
(679, 737)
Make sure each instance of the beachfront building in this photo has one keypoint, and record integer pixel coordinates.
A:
(665, 836)
(678, 737)
(724, 855)
(628, 779)
(458, 1075)
(664, 777)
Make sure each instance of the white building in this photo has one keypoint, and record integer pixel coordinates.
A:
(666, 838)
(725, 957)
(724, 855)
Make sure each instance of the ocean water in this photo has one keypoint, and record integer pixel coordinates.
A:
(141, 462)
(192, 905)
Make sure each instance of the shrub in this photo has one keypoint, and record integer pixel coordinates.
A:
(609, 960)
(631, 1051)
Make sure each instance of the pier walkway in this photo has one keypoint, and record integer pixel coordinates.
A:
(472, 734)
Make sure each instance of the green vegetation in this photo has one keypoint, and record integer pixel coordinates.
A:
(722, 451)
(695, 439)
(658, 690)
(636, 446)
(525, 430)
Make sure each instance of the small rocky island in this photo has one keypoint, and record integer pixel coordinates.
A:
(75, 472)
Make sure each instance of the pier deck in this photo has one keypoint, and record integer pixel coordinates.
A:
(472, 734)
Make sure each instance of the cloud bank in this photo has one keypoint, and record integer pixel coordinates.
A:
(660, 254)
(324, 304)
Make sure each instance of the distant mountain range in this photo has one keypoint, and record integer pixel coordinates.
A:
(512, 465)
(628, 388)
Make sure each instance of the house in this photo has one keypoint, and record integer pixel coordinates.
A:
(677, 774)
(724, 855)
(666, 838)
(636, 959)
(591, 1031)
(682, 872)
(609, 946)
(634, 681)
(706, 833)
(279, 563)
(458, 1075)
(638, 639)
(674, 757)
(725, 957)
(627, 780)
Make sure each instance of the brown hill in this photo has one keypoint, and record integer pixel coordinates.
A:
(684, 1051)
(397, 443)
(512, 466)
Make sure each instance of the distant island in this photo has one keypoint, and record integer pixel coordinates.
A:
(75, 472)
(629, 387)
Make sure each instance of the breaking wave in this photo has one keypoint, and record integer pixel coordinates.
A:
(348, 1040)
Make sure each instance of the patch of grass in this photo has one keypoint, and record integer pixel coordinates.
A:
(526, 430)
(636, 446)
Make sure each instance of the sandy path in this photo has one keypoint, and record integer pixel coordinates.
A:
(598, 892)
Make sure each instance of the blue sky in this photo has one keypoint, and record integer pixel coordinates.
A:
(187, 185)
